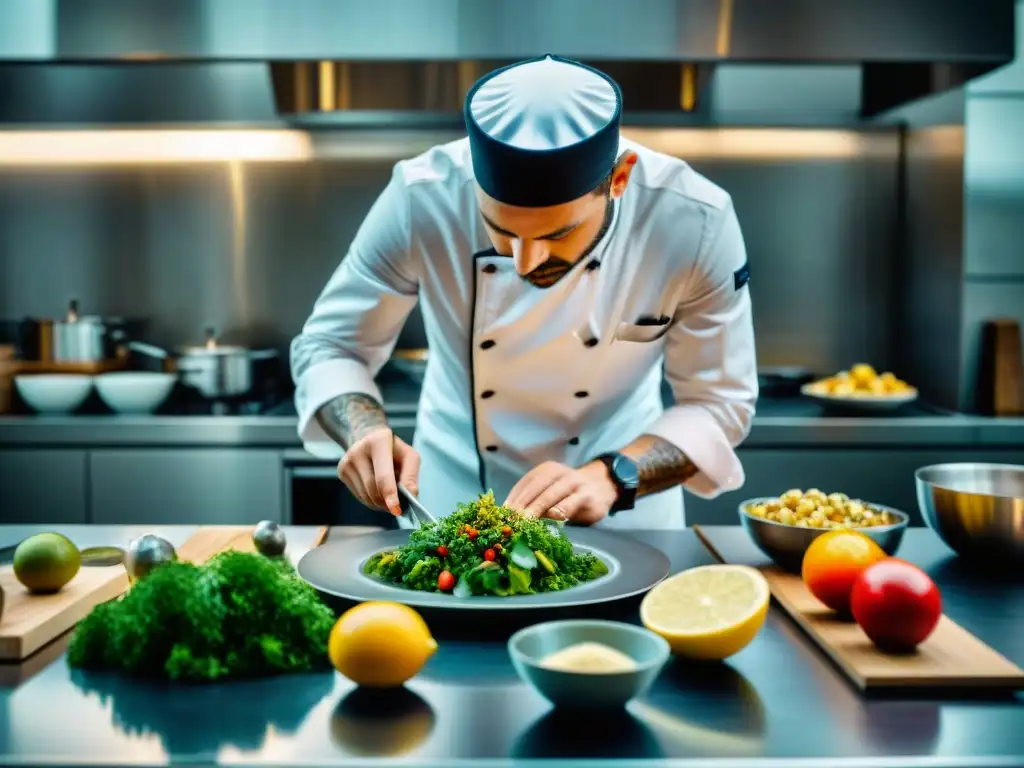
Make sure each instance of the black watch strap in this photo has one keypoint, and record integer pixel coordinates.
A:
(625, 475)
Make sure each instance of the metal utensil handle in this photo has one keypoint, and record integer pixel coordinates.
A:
(148, 349)
(415, 506)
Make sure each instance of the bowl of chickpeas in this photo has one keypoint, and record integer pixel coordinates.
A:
(783, 527)
(861, 388)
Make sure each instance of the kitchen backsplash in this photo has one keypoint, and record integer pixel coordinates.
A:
(246, 245)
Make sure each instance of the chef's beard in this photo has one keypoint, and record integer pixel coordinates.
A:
(555, 268)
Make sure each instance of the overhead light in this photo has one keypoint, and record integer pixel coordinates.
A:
(126, 147)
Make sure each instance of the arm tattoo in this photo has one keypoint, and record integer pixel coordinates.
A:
(661, 465)
(347, 419)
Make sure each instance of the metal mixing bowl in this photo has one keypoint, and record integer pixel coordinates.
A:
(786, 544)
(977, 509)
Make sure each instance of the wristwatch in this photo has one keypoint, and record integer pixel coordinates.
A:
(624, 474)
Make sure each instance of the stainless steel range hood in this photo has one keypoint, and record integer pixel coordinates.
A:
(922, 31)
(323, 52)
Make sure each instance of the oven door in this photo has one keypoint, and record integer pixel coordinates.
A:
(315, 496)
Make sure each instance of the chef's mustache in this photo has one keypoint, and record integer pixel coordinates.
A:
(552, 270)
(548, 273)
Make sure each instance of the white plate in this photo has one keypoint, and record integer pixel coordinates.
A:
(861, 402)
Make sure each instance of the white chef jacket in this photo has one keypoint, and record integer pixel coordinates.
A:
(517, 374)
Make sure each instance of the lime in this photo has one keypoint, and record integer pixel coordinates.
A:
(46, 562)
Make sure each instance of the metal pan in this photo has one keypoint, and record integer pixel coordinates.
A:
(336, 569)
(216, 370)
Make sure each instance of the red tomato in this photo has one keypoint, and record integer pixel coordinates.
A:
(445, 581)
(506, 531)
(489, 554)
(442, 551)
(896, 604)
(472, 533)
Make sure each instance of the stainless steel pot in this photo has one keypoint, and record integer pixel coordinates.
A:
(76, 338)
(217, 371)
(79, 341)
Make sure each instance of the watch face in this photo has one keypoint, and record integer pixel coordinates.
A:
(626, 472)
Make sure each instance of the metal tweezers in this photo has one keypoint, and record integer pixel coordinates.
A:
(417, 511)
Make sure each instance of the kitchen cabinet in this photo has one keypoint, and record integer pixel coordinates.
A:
(185, 486)
(878, 475)
(43, 486)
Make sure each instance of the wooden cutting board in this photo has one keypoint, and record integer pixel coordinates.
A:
(30, 622)
(951, 657)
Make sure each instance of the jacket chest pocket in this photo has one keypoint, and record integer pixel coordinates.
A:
(644, 330)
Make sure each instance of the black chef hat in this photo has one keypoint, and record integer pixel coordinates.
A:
(543, 131)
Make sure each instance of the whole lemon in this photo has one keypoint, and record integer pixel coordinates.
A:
(380, 644)
(46, 562)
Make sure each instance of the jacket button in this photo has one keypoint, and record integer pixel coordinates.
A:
(490, 269)
(593, 265)
(574, 441)
(581, 393)
(487, 344)
(590, 343)
(491, 448)
(487, 393)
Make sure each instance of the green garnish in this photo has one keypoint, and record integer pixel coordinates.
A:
(486, 549)
(545, 563)
(239, 615)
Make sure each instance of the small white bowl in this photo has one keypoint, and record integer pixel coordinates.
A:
(586, 691)
(134, 392)
(53, 393)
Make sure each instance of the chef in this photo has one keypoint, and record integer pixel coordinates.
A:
(563, 272)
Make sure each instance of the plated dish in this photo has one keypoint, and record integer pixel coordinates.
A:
(486, 549)
(587, 565)
(862, 387)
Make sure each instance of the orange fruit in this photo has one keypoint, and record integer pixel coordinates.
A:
(834, 561)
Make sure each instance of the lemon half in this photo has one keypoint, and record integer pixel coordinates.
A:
(708, 612)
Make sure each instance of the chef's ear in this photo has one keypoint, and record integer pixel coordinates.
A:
(620, 174)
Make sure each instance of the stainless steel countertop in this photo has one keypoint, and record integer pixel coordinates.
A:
(281, 431)
(778, 422)
(777, 704)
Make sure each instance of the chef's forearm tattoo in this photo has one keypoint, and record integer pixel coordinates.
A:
(348, 418)
(660, 464)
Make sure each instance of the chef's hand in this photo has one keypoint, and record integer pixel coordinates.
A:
(372, 465)
(584, 495)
